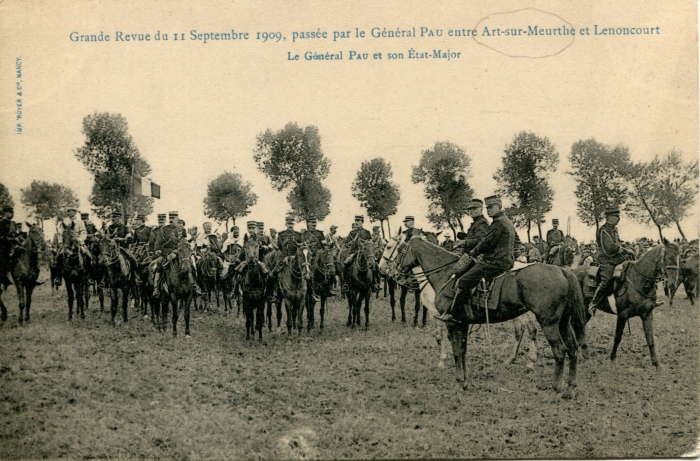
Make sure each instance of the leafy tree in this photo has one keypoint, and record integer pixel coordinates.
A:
(375, 190)
(678, 184)
(5, 196)
(293, 159)
(645, 204)
(310, 197)
(229, 197)
(524, 179)
(46, 201)
(111, 156)
(443, 171)
(599, 172)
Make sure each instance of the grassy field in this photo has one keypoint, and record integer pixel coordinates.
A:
(86, 390)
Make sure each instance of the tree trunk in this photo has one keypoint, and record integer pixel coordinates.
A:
(454, 231)
(597, 226)
(529, 227)
(388, 225)
(124, 213)
(678, 225)
(381, 222)
(461, 226)
(539, 228)
(226, 225)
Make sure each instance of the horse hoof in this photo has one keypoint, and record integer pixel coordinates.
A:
(568, 394)
(441, 364)
(188, 337)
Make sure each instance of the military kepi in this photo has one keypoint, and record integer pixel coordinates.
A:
(289, 219)
(311, 219)
(475, 203)
(612, 211)
(252, 224)
(493, 200)
(172, 214)
(555, 221)
(116, 214)
(408, 218)
(8, 209)
(359, 217)
(161, 217)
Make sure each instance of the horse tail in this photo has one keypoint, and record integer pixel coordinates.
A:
(575, 305)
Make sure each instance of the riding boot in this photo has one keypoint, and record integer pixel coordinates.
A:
(313, 293)
(195, 286)
(462, 298)
(156, 284)
(598, 296)
(375, 282)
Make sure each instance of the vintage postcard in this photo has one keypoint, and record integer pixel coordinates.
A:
(274, 178)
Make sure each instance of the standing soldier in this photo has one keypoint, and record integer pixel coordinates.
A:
(496, 249)
(555, 237)
(611, 254)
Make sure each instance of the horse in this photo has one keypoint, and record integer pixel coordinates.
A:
(551, 292)
(564, 257)
(322, 280)
(208, 271)
(178, 288)
(273, 294)
(292, 282)
(142, 286)
(387, 264)
(635, 295)
(24, 267)
(226, 279)
(253, 285)
(119, 276)
(95, 272)
(359, 277)
(689, 276)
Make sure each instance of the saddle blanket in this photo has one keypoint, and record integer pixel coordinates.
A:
(488, 296)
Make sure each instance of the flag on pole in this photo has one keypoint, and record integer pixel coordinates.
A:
(144, 186)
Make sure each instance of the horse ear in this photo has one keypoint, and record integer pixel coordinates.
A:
(29, 225)
(398, 233)
(666, 242)
(438, 234)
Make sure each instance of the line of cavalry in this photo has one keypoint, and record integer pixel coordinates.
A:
(486, 276)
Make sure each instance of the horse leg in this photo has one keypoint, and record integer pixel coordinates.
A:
(417, 306)
(29, 291)
(113, 302)
(648, 324)
(101, 296)
(442, 340)
(164, 306)
(278, 308)
(402, 303)
(300, 314)
(260, 318)
(247, 311)
(392, 298)
(289, 310)
(69, 291)
(367, 299)
(322, 310)
(174, 302)
(619, 329)
(125, 301)
(349, 296)
(268, 312)
(458, 338)
(21, 299)
(551, 331)
(518, 329)
(186, 306)
(310, 307)
(3, 309)
(572, 349)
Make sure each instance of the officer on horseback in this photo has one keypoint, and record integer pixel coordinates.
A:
(479, 226)
(496, 251)
(167, 241)
(117, 231)
(315, 239)
(409, 222)
(612, 253)
(288, 241)
(7, 239)
(555, 238)
(90, 228)
(355, 237)
(155, 231)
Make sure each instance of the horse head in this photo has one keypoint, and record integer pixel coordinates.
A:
(184, 254)
(367, 251)
(109, 251)
(302, 258)
(35, 239)
(251, 248)
(325, 262)
(71, 244)
(391, 251)
(407, 259)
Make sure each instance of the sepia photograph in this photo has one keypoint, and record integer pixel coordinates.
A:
(244, 230)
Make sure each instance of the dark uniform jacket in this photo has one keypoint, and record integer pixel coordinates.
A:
(289, 241)
(152, 240)
(168, 239)
(555, 237)
(314, 238)
(448, 245)
(90, 228)
(497, 245)
(609, 246)
(142, 235)
(6, 235)
(476, 233)
(408, 233)
(117, 230)
(361, 233)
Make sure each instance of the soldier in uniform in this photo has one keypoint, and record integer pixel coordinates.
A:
(90, 228)
(479, 226)
(76, 225)
(333, 239)
(7, 239)
(288, 241)
(409, 222)
(117, 230)
(448, 244)
(356, 235)
(141, 233)
(209, 237)
(315, 239)
(232, 244)
(155, 231)
(167, 241)
(496, 249)
(611, 254)
(555, 238)
(273, 239)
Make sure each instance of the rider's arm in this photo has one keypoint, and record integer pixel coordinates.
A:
(610, 245)
(490, 239)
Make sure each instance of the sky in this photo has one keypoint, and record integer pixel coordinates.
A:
(194, 109)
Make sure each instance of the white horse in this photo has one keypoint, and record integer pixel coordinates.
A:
(427, 294)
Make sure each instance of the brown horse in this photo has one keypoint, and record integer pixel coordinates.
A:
(72, 264)
(25, 270)
(178, 288)
(359, 277)
(635, 295)
(323, 279)
(253, 286)
(292, 281)
(689, 276)
(119, 276)
(273, 294)
(550, 292)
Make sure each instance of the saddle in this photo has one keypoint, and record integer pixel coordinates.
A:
(591, 279)
(487, 294)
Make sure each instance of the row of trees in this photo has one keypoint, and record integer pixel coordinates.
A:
(43, 200)
(660, 192)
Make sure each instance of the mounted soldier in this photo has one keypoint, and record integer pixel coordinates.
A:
(232, 244)
(167, 241)
(7, 240)
(155, 231)
(495, 256)
(479, 226)
(356, 235)
(555, 238)
(612, 253)
(117, 231)
(254, 235)
(90, 228)
(208, 238)
(409, 223)
(315, 239)
(288, 241)
(273, 239)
